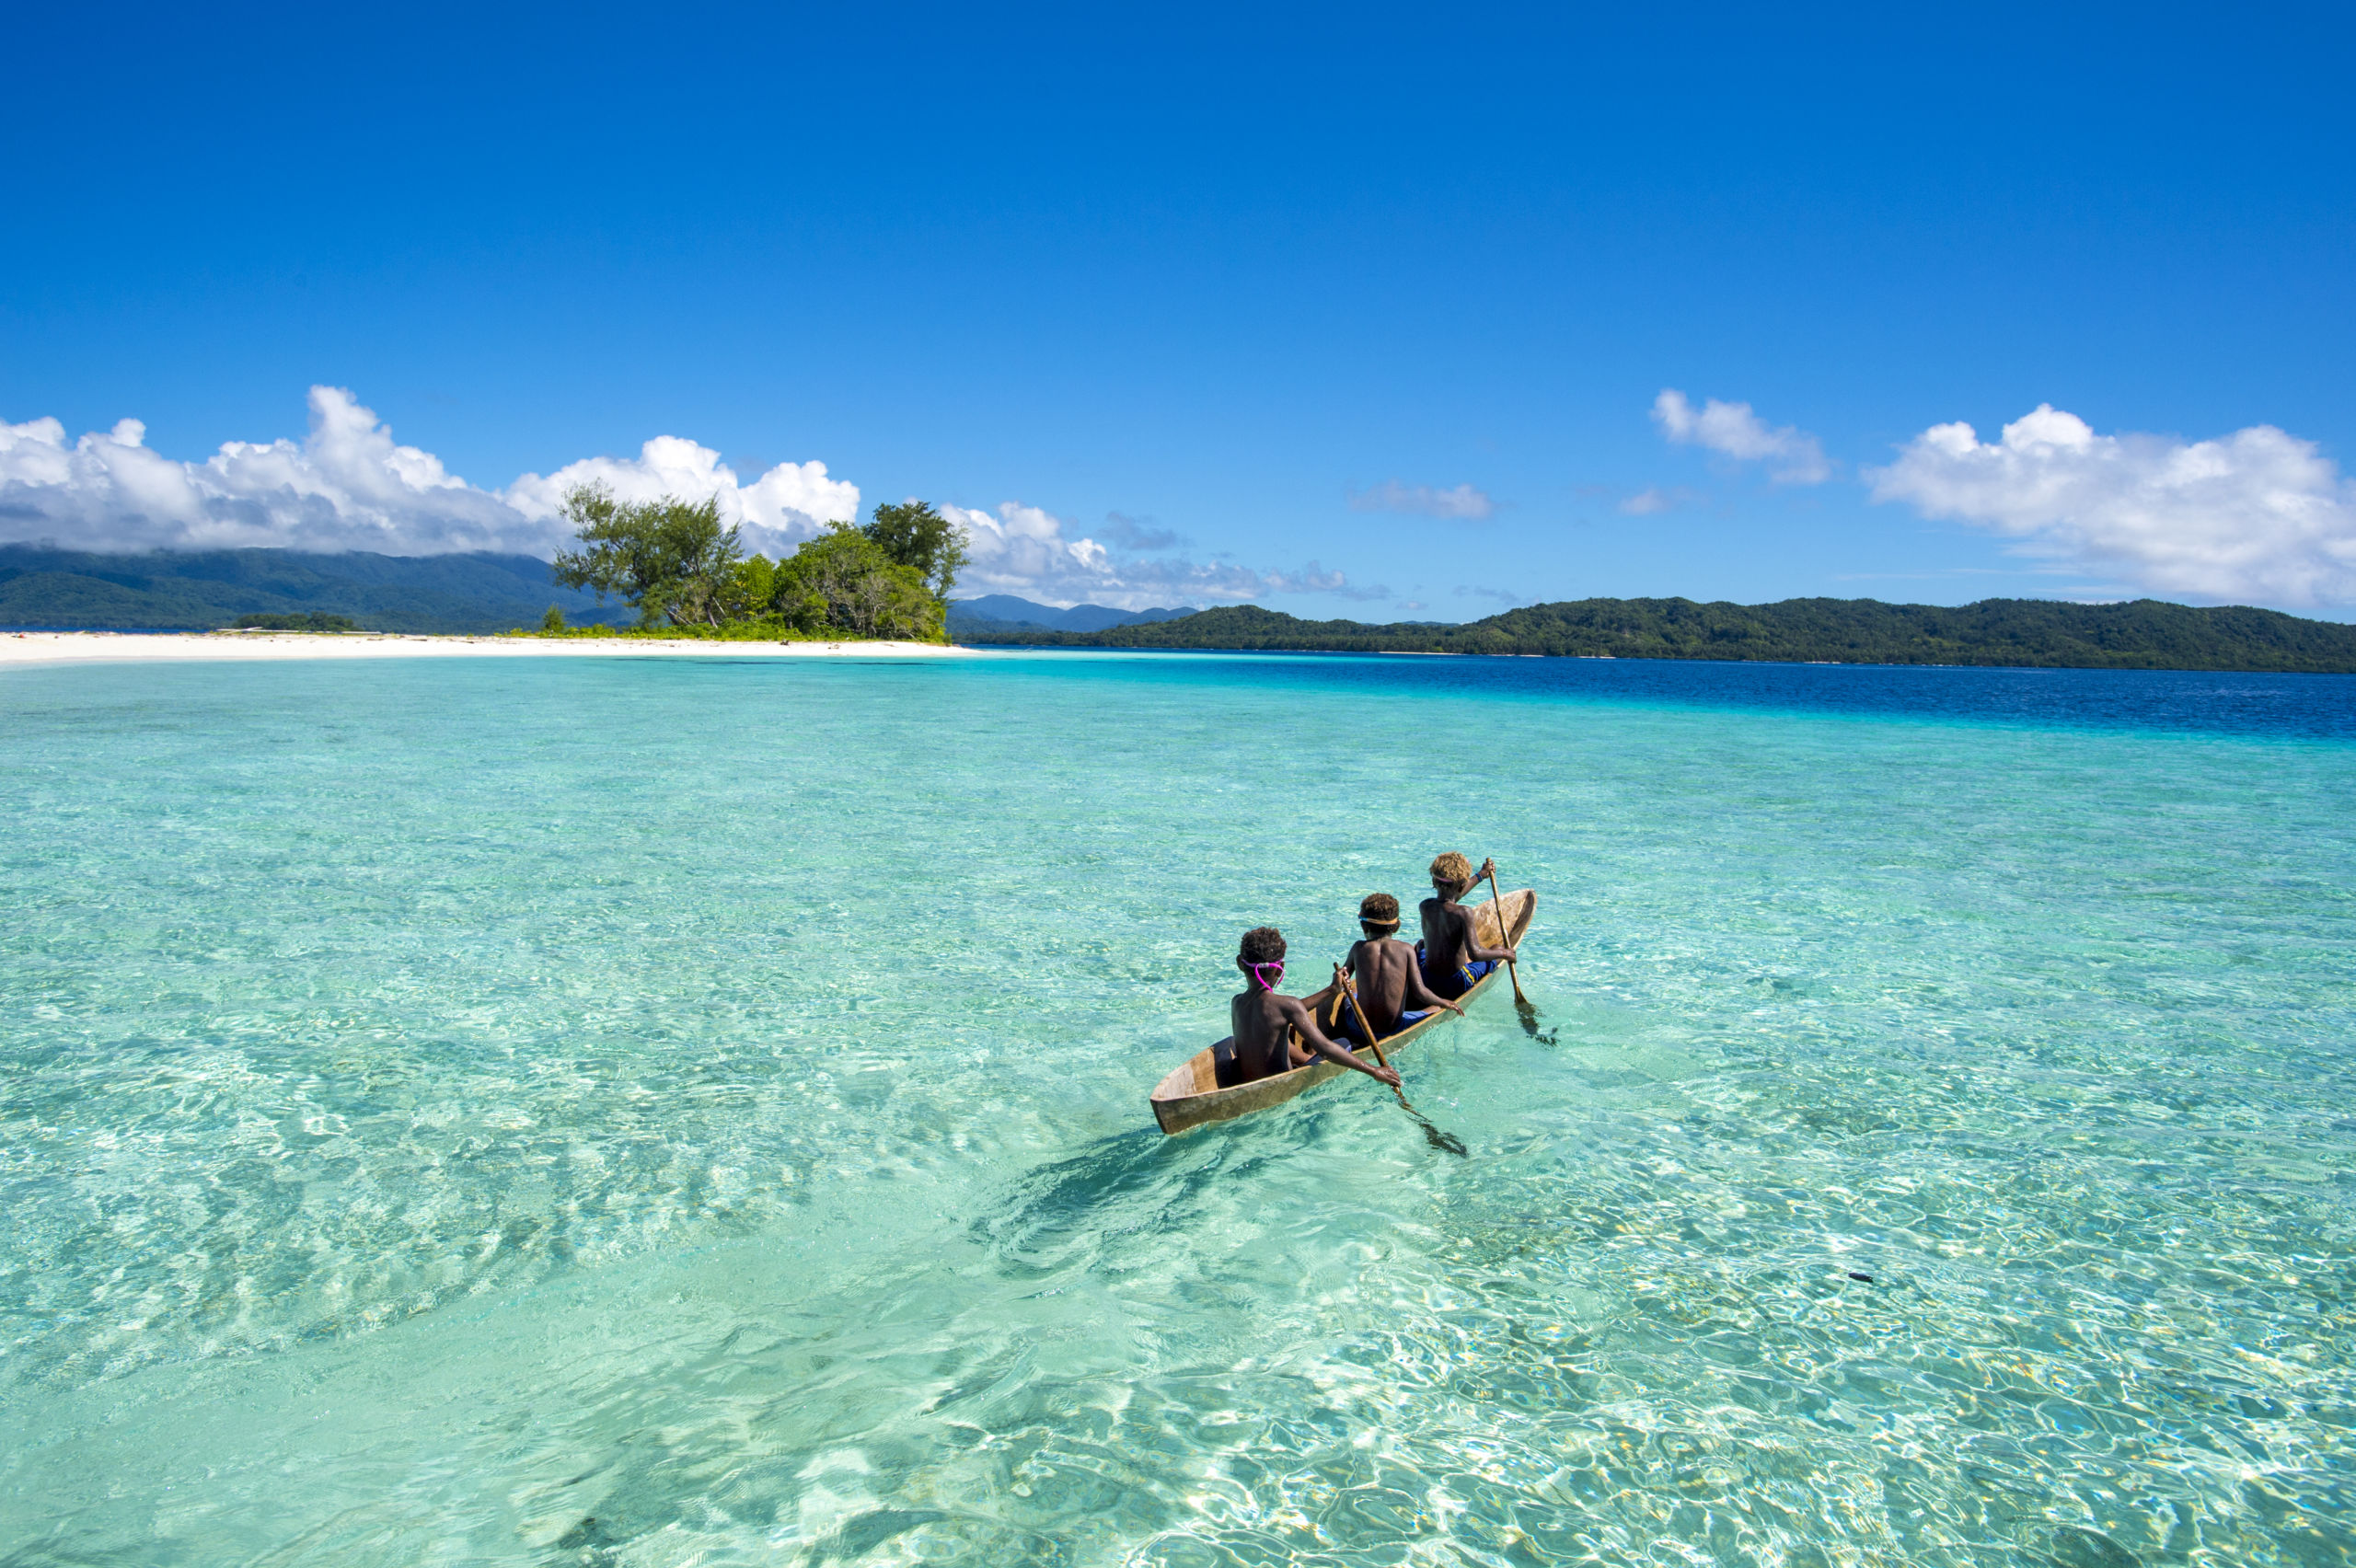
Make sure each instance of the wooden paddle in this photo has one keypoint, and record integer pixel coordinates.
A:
(1505, 937)
(1432, 1134)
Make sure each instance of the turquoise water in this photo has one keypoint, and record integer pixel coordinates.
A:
(669, 1112)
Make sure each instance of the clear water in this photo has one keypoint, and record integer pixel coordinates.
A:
(667, 1112)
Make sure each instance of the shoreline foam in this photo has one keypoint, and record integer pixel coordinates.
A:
(27, 647)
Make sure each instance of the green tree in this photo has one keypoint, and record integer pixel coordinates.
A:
(751, 586)
(916, 536)
(667, 559)
(845, 580)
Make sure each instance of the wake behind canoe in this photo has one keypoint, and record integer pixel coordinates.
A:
(1190, 1095)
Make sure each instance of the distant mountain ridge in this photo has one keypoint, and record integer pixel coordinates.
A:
(46, 587)
(996, 613)
(2146, 634)
(166, 591)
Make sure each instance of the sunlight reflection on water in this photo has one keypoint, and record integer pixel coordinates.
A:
(646, 1113)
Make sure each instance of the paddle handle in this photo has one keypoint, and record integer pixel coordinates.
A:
(1504, 936)
(1372, 1039)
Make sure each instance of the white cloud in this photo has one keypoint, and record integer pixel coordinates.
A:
(1024, 550)
(1654, 501)
(347, 486)
(1793, 457)
(786, 505)
(2259, 516)
(1463, 503)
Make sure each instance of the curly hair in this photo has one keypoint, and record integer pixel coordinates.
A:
(1377, 909)
(1452, 869)
(1262, 944)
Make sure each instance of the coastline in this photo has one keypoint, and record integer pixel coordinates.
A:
(31, 648)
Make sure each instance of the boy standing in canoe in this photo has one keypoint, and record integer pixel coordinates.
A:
(1452, 958)
(1387, 979)
(1265, 1021)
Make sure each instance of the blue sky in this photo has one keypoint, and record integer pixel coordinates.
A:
(1357, 312)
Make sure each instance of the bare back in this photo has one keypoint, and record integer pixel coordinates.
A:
(1263, 1032)
(1447, 936)
(1384, 972)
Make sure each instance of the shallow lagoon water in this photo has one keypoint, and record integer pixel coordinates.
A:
(694, 1112)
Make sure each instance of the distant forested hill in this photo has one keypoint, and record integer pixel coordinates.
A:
(997, 612)
(2145, 635)
(167, 590)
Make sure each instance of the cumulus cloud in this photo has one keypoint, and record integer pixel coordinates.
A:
(1026, 551)
(348, 485)
(1793, 457)
(1462, 502)
(2259, 516)
(789, 503)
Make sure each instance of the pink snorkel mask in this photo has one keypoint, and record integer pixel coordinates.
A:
(1266, 983)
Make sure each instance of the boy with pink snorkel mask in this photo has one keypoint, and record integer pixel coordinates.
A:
(1265, 1021)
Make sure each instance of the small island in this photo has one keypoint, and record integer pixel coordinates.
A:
(687, 576)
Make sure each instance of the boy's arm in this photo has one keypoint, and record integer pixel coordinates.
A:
(1304, 1021)
(1473, 948)
(1489, 870)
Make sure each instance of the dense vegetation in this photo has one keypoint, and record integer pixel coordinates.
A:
(2145, 635)
(672, 561)
(313, 621)
(197, 589)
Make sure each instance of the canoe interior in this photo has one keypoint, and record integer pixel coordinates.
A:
(1190, 1096)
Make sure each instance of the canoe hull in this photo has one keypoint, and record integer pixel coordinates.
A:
(1189, 1096)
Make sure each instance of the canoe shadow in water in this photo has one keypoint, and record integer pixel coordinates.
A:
(1078, 1211)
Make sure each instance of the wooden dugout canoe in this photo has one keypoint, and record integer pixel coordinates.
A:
(1190, 1096)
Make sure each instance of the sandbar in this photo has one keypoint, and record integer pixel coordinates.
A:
(114, 646)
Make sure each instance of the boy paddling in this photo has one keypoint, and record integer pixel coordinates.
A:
(1265, 1021)
(1388, 980)
(1453, 959)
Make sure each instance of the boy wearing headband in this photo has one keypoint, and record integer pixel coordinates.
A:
(1265, 1021)
(1388, 980)
(1453, 959)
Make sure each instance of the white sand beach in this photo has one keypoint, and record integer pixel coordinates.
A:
(110, 647)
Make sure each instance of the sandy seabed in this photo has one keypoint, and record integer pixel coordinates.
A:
(106, 647)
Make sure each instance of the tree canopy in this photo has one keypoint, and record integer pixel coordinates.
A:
(845, 580)
(918, 536)
(672, 562)
(668, 559)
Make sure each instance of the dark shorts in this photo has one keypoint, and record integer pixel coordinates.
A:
(1456, 984)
